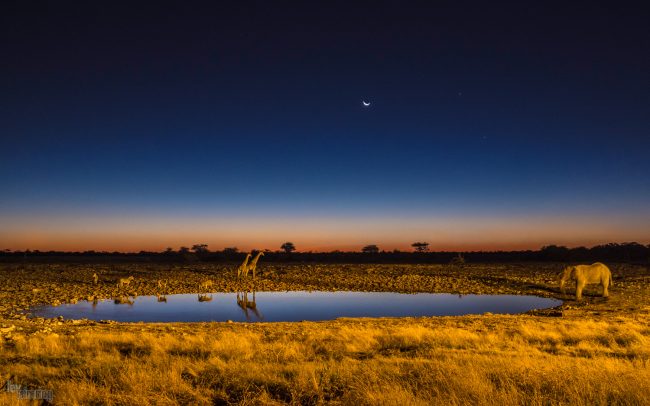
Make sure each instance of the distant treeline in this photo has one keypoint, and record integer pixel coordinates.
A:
(626, 252)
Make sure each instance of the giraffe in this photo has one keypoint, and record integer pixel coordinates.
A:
(253, 264)
(242, 268)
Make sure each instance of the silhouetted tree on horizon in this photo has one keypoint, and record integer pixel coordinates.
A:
(288, 247)
(200, 248)
(370, 249)
(420, 246)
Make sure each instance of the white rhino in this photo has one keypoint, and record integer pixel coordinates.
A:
(584, 274)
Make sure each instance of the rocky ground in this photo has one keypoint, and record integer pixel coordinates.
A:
(25, 285)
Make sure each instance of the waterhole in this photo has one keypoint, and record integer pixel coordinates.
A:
(291, 306)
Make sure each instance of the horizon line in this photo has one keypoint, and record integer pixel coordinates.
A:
(313, 251)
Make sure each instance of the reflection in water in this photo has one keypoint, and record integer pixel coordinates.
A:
(123, 300)
(289, 306)
(245, 305)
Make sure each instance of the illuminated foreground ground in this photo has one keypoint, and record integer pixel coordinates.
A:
(597, 353)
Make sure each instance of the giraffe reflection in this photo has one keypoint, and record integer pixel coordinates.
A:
(245, 304)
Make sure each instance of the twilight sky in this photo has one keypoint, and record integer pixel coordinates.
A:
(129, 127)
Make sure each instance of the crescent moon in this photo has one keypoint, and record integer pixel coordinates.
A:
(365, 104)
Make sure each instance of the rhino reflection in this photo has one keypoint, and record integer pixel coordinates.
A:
(245, 304)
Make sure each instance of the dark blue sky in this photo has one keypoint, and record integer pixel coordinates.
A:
(177, 110)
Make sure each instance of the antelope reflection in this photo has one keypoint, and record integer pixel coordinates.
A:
(245, 304)
(204, 298)
(122, 300)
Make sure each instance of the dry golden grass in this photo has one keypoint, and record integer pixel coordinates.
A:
(463, 360)
(597, 353)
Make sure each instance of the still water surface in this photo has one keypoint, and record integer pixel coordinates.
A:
(293, 306)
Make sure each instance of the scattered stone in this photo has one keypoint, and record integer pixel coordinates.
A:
(7, 329)
(107, 322)
(53, 283)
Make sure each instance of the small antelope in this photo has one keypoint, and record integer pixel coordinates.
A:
(205, 285)
(123, 300)
(95, 278)
(124, 281)
(162, 284)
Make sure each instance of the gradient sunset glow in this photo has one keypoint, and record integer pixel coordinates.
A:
(245, 127)
(317, 234)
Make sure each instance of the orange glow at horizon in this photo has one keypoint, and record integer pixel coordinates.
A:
(314, 234)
